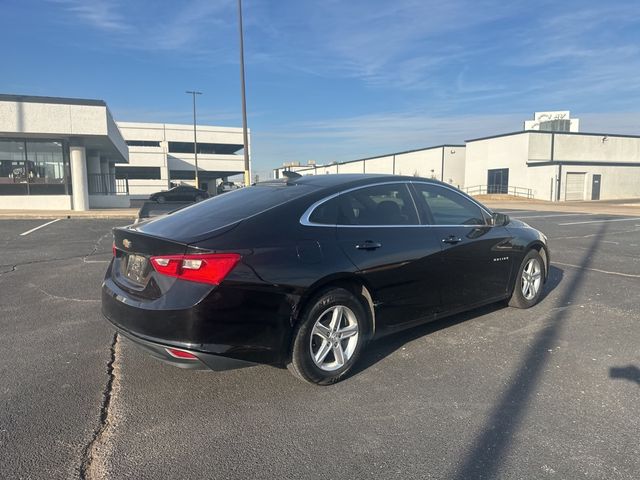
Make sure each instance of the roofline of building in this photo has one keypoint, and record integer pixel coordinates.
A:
(54, 100)
(586, 134)
(310, 167)
(584, 163)
(179, 126)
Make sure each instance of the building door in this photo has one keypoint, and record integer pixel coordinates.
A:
(595, 187)
(498, 180)
(574, 188)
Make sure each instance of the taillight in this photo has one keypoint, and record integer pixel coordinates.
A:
(205, 268)
(114, 249)
(182, 354)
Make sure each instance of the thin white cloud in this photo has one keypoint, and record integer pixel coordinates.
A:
(350, 138)
(365, 135)
(397, 44)
(186, 26)
(96, 13)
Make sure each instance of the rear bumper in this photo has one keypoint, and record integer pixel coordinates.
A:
(205, 361)
(227, 324)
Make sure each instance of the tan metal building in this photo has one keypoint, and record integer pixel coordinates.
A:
(443, 162)
(556, 166)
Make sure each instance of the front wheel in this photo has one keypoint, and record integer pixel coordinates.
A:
(161, 199)
(328, 338)
(529, 281)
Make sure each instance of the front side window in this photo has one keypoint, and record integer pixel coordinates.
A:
(448, 207)
(377, 205)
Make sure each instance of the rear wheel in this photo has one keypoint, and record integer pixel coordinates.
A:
(328, 338)
(199, 198)
(529, 281)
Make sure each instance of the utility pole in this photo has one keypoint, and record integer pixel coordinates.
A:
(195, 138)
(245, 134)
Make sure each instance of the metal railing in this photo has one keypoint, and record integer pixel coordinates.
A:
(107, 184)
(499, 189)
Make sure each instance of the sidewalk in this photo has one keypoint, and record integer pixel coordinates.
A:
(131, 213)
(606, 207)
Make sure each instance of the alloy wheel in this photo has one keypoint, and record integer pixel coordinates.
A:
(334, 338)
(531, 278)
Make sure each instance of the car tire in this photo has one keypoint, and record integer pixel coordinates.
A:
(161, 199)
(329, 337)
(529, 281)
(199, 198)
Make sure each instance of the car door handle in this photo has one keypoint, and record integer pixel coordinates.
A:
(368, 245)
(451, 240)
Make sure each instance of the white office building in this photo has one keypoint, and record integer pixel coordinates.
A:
(59, 154)
(162, 154)
(69, 153)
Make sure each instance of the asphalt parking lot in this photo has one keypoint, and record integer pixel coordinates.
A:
(550, 392)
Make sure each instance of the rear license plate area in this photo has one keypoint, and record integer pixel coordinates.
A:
(136, 268)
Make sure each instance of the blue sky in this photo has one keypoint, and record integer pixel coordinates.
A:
(335, 80)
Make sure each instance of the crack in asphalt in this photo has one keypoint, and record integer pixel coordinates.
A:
(60, 297)
(96, 244)
(13, 267)
(84, 257)
(95, 455)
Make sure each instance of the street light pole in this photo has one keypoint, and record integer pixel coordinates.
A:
(245, 135)
(195, 139)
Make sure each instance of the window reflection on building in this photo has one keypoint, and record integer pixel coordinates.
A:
(33, 167)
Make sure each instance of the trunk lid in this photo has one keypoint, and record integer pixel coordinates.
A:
(132, 269)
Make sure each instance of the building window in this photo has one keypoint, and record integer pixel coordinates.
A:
(142, 143)
(182, 175)
(560, 125)
(33, 168)
(204, 148)
(138, 173)
(498, 180)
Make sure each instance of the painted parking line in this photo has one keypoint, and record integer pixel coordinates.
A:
(619, 274)
(39, 227)
(635, 219)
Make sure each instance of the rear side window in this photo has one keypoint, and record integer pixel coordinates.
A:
(377, 205)
(221, 210)
(448, 207)
(326, 213)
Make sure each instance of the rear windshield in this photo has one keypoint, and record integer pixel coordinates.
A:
(206, 216)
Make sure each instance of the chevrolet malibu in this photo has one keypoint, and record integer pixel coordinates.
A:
(303, 272)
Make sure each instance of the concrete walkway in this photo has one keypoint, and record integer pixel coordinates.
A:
(98, 213)
(607, 207)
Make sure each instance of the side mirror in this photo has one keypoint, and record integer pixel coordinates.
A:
(499, 219)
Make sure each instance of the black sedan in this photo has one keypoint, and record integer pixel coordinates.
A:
(181, 193)
(304, 272)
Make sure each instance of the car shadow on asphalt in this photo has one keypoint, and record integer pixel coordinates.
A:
(630, 372)
(380, 349)
(494, 440)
